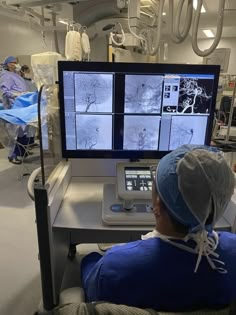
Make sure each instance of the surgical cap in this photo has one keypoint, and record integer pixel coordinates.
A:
(9, 59)
(195, 182)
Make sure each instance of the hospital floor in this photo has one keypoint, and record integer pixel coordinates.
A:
(20, 290)
(20, 284)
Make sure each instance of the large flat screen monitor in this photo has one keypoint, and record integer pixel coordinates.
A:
(123, 110)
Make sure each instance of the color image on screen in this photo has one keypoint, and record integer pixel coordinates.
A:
(94, 132)
(93, 92)
(141, 132)
(187, 130)
(143, 93)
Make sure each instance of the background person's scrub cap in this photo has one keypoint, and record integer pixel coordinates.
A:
(195, 182)
(9, 60)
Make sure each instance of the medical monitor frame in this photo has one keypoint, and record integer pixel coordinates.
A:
(109, 110)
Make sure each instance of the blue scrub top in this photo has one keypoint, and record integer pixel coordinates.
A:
(154, 274)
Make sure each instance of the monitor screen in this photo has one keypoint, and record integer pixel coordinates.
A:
(138, 179)
(134, 180)
(121, 110)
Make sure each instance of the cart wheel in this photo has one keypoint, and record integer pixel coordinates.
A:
(72, 252)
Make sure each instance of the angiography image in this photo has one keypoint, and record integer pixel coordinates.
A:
(187, 130)
(141, 132)
(195, 95)
(94, 132)
(70, 131)
(93, 92)
(143, 93)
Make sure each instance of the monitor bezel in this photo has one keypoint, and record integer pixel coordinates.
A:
(131, 68)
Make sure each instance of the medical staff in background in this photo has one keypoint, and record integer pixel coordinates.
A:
(26, 74)
(183, 264)
(31, 87)
(13, 85)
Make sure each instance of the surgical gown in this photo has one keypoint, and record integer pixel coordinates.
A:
(155, 274)
(11, 85)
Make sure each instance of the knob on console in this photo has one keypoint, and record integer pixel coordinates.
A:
(128, 205)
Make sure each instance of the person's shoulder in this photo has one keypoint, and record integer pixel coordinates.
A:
(3, 73)
(124, 247)
(141, 251)
(5, 76)
(227, 235)
(8, 75)
(133, 247)
(227, 251)
(227, 239)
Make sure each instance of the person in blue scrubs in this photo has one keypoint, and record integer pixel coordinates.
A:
(183, 264)
(13, 85)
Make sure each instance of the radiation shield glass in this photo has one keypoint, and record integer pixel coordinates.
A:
(49, 132)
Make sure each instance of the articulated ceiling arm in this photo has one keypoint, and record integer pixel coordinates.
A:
(218, 33)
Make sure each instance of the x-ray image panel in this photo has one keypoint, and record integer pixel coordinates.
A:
(70, 142)
(141, 132)
(70, 131)
(93, 92)
(195, 95)
(187, 130)
(94, 132)
(143, 93)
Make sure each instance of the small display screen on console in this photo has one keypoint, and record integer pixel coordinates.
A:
(138, 179)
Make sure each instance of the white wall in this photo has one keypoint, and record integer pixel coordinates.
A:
(17, 38)
(99, 48)
(183, 53)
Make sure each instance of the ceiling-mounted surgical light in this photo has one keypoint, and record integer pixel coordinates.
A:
(203, 10)
(209, 33)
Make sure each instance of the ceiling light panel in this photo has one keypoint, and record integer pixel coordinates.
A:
(209, 33)
(203, 10)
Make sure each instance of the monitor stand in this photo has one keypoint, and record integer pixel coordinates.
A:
(113, 212)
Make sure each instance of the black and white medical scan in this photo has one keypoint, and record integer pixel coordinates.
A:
(94, 132)
(93, 92)
(141, 132)
(143, 93)
(187, 130)
(195, 95)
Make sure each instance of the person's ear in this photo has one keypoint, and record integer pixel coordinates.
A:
(157, 207)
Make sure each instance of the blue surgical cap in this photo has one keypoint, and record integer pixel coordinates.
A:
(9, 59)
(188, 181)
